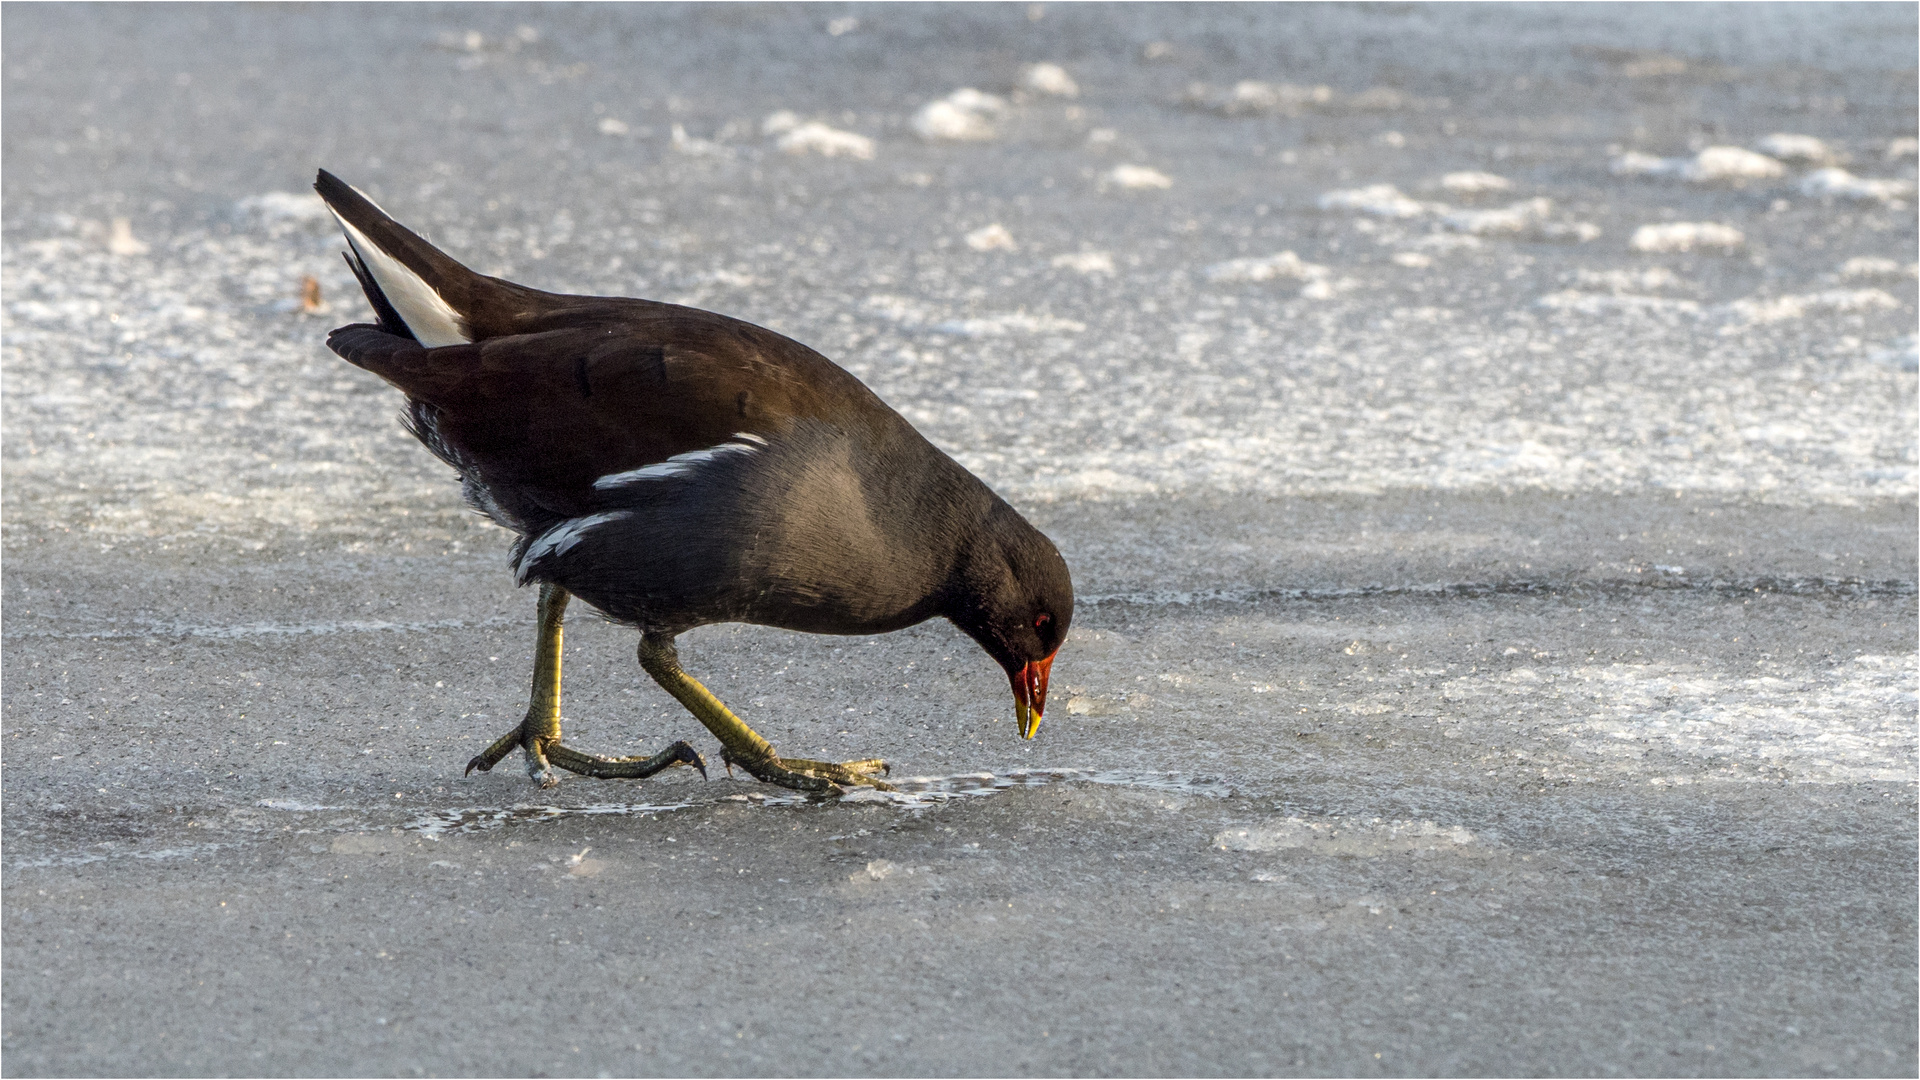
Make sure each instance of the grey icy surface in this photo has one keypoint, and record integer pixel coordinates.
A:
(1496, 651)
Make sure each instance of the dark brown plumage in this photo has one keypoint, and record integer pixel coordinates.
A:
(673, 467)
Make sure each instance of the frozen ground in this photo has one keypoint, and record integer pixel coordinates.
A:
(1484, 442)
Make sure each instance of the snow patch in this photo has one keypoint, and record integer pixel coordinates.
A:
(814, 137)
(1475, 183)
(1284, 265)
(994, 237)
(1138, 178)
(966, 115)
(1645, 279)
(1874, 266)
(1841, 184)
(1715, 164)
(1017, 323)
(1799, 149)
(1843, 301)
(1085, 262)
(1586, 303)
(1379, 200)
(1049, 79)
(1678, 236)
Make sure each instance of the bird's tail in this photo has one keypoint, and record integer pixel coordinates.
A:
(416, 289)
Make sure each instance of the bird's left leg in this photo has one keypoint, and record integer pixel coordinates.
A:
(740, 744)
(539, 732)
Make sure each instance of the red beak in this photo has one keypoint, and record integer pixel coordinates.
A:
(1030, 695)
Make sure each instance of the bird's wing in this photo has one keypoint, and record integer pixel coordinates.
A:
(613, 390)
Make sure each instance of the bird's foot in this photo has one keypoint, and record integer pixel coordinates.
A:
(544, 751)
(814, 777)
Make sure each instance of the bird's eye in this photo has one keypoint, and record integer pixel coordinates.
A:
(1042, 621)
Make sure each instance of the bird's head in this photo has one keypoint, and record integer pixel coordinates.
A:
(1013, 595)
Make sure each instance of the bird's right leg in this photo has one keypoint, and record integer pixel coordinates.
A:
(740, 744)
(539, 732)
(541, 726)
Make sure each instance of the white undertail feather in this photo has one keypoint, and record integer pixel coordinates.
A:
(682, 464)
(557, 541)
(433, 321)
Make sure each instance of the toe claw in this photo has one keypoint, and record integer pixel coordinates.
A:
(689, 756)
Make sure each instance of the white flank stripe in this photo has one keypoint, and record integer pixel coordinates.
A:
(560, 538)
(681, 464)
(432, 320)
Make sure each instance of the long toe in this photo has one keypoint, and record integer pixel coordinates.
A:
(624, 768)
(863, 773)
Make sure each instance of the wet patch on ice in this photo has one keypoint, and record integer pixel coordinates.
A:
(469, 819)
(917, 792)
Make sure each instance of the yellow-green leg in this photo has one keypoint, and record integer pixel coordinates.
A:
(539, 733)
(740, 744)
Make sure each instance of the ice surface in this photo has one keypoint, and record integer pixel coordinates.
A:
(1416, 525)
